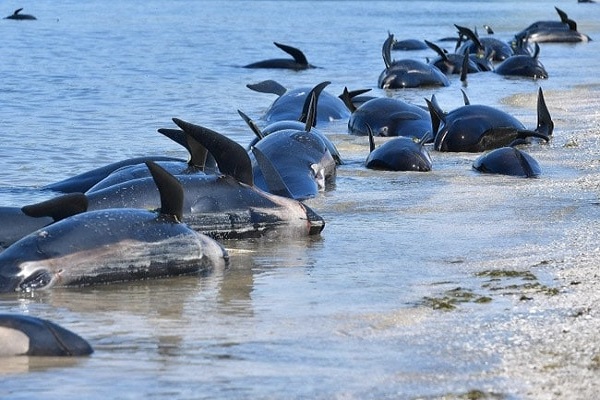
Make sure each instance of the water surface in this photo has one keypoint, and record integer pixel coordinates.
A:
(352, 313)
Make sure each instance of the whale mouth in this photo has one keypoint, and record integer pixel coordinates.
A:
(37, 280)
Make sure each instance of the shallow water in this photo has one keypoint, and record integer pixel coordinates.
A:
(352, 313)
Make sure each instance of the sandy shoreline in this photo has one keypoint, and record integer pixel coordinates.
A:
(555, 353)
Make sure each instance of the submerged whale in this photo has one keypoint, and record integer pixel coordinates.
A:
(299, 61)
(24, 335)
(407, 73)
(523, 65)
(298, 159)
(307, 119)
(20, 17)
(508, 161)
(292, 102)
(110, 245)
(564, 30)
(399, 154)
(388, 117)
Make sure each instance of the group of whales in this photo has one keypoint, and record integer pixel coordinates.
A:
(100, 230)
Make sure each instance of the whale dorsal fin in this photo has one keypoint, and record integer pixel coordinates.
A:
(59, 207)
(424, 139)
(308, 102)
(274, 181)
(469, 34)
(268, 86)
(346, 97)
(171, 191)
(253, 127)
(371, 139)
(465, 98)
(437, 49)
(18, 10)
(386, 50)
(464, 68)
(436, 113)
(198, 153)
(545, 125)
(311, 116)
(230, 156)
(564, 18)
(298, 55)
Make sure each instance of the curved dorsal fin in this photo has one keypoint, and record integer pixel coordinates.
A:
(308, 102)
(253, 127)
(311, 116)
(298, 55)
(198, 153)
(371, 139)
(18, 10)
(465, 98)
(59, 207)
(564, 18)
(437, 49)
(346, 97)
(536, 50)
(545, 125)
(230, 156)
(171, 191)
(272, 177)
(464, 68)
(424, 139)
(435, 113)
(464, 31)
(268, 86)
(386, 50)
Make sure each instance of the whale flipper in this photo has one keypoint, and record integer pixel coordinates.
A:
(268, 86)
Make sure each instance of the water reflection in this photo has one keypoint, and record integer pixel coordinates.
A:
(25, 364)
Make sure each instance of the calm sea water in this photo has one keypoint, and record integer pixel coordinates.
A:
(348, 314)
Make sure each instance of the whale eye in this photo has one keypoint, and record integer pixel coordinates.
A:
(39, 279)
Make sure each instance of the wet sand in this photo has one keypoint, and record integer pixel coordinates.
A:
(555, 349)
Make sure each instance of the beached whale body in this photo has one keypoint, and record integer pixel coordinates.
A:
(508, 161)
(399, 154)
(23, 335)
(224, 205)
(408, 73)
(291, 103)
(110, 245)
(476, 128)
(564, 30)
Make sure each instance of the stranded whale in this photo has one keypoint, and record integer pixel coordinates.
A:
(23, 335)
(110, 245)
